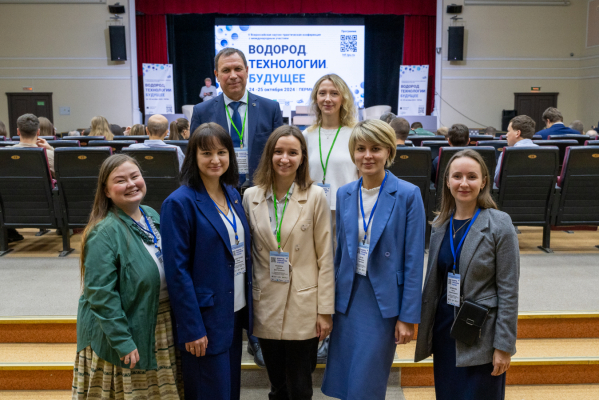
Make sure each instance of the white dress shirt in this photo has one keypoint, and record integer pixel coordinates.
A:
(151, 143)
(239, 280)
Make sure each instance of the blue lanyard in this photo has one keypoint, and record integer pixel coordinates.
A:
(455, 251)
(149, 230)
(373, 208)
(234, 223)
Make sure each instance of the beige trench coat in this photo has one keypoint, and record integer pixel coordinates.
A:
(288, 311)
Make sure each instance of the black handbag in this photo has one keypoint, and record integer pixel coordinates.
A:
(467, 326)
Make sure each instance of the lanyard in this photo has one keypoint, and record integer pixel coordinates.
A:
(234, 223)
(325, 166)
(278, 225)
(243, 126)
(149, 230)
(455, 251)
(373, 208)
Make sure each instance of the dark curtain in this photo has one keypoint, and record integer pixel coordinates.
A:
(191, 51)
(397, 7)
(151, 40)
(382, 58)
(419, 49)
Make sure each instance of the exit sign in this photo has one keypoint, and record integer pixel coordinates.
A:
(535, 89)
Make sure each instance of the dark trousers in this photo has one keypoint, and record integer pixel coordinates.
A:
(290, 364)
(216, 377)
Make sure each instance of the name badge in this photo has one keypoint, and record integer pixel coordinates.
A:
(453, 289)
(159, 256)
(279, 267)
(362, 264)
(242, 160)
(239, 256)
(327, 191)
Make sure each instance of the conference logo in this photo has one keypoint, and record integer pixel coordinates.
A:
(532, 156)
(404, 157)
(15, 157)
(82, 157)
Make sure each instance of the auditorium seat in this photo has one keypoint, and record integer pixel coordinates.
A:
(417, 139)
(534, 137)
(116, 145)
(181, 143)
(413, 164)
(474, 139)
(2, 138)
(8, 143)
(497, 144)
(434, 145)
(138, 138)
(527, 185)
(160, 168)
(77, 172)
(587, 143)
(63, 143)
(560, 144)
(17, 138)
(579, 138)
(84, 140)
(578, 202)
(28, 198)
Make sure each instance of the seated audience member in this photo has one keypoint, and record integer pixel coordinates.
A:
(85, 132)
(442, 131)
(135, 130)
(46, 127)
(417, 129)
(3, 131)
(489, 130)
(116, 130)
(388, 117)
(28, 129)
(457, 136)
(519, 134)
(157, 129)
(402, 129)
(100, 127)
(179, 129)
(592, 133)
(554, 123)
(74, 133)
(577, 126)
(208, 92)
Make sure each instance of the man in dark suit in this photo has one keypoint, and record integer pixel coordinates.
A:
(554, 122)
(250, 119)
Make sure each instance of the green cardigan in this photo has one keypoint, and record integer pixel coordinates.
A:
(121, 288)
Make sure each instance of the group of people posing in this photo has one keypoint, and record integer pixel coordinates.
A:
(325, 242)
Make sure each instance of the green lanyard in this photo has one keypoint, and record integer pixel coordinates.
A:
(278, 225)
(325, 166)
(243, 126)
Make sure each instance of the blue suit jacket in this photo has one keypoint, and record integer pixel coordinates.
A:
(557, 129)
(264, 116)
(396, 255)
(199, 267)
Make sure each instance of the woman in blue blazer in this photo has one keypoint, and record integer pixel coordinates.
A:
(378, 267)
(208, 267)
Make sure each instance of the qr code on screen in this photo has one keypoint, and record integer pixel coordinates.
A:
(169, 109)
(420, 110)
(349, 43)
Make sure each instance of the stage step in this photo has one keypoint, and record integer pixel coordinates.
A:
(523, 392)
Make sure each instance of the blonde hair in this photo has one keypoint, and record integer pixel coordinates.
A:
(100, 127)
(46, 127)
(347, 113)
(484, 199)
(374, 131)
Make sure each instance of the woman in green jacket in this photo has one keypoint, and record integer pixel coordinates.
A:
(125, 345)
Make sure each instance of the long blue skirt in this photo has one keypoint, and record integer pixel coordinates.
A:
(362, 348)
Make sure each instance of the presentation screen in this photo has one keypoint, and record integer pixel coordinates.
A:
(285, 61)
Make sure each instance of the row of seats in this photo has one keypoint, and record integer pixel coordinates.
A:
(99, 141)
(529, 189)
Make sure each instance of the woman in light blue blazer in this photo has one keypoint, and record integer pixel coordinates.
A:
(378, 268)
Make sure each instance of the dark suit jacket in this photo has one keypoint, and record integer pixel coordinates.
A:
(199, 268)
(557, 129)
(264, 116)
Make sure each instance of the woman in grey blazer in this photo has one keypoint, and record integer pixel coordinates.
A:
(485, 257)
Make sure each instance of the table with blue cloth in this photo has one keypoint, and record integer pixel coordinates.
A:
(451, 382)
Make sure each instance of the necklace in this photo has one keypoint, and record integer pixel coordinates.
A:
(222, 207)
(454, 230)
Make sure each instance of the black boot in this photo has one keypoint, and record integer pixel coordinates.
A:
(323, 351)
(255, 350)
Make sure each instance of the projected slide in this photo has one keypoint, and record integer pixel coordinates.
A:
(286, 61)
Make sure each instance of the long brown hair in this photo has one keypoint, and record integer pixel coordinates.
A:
(177, 127)
(347, 113)
(484, 199)
(101, 127)
(265, 176)
(102, 204)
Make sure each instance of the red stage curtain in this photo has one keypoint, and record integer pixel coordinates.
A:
(397, 7)
(419, 43)
(151, 40)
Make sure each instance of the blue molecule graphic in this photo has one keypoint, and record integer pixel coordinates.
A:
(216, 84)
(362, 85)
(244, 28)
(357, 91)
(234, 36)
(224, 43)
(229, 27)
(362, 96)
(220, 30)
(418, 68)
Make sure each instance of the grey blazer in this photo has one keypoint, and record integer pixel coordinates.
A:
(490, 270)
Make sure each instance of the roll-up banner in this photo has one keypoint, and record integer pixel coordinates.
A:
(158, 89)
(413, 86)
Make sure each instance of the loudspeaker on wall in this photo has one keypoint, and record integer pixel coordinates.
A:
(118, 43)
(456, 43)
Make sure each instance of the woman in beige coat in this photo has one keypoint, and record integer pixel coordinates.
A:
(294, 283)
